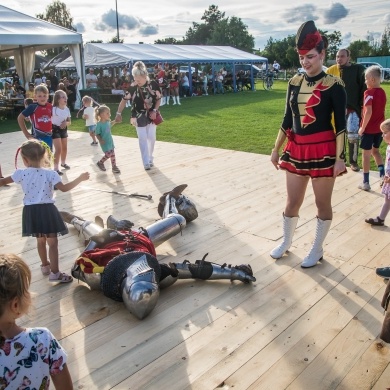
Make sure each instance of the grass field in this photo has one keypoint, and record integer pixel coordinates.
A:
(247, 121)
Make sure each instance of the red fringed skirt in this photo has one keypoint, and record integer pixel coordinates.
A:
(312, 155)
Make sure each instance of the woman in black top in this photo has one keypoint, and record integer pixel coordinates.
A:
(145, 95)
(314, 149)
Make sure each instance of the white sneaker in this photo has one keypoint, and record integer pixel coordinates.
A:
(365, 186)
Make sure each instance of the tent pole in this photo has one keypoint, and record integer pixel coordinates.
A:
(23, 70)
(82, 76)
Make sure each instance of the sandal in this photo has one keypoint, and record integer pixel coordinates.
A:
(65, 166)
(60, 277)
(375, 221)
(45, 269)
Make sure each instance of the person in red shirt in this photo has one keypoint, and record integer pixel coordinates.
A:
(374, 104)
(40, 114)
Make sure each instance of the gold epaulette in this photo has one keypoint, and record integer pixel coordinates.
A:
(296, 80)
(330, 80)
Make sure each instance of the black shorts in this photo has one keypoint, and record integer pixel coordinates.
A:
(369, 141)
(59, 133)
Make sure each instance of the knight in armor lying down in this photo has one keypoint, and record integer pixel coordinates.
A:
(121, 260)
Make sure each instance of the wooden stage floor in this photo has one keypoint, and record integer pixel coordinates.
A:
(292, 328)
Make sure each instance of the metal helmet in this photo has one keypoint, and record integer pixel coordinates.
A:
(186, 208)
(175, 202)
(133, 278)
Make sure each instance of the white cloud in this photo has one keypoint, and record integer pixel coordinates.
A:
(277, 19)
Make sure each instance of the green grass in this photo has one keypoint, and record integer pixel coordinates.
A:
(246, 121)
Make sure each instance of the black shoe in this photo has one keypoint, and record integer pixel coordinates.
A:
(355, 167)
(59, 172)
(383, 272)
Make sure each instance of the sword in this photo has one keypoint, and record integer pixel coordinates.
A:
(148, 197)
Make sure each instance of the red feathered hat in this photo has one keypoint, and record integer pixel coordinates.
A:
(307, 37)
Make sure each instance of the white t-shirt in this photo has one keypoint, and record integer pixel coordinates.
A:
(59, 115)
(37, 184)
(90, 111)
(30, 358)
(91, 80)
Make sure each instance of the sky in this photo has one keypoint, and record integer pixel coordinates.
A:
(147, 21)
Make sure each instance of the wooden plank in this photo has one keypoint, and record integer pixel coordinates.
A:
(216, 334)
(305, 338)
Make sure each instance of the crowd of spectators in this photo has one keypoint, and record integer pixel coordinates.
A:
(13, 89)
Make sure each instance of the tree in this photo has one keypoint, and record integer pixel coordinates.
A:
(168, 41)
(218, 30)
(232, 32)
(213, 16)
(334, 43)
(282, 51)
(114, 39)
(384, 48)
(58, 14)
(198, 34)
(359, 49)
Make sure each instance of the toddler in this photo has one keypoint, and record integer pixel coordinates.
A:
(29, 356)
(89, 116)
(103, 134)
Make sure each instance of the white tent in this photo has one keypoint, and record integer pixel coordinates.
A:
(101, 55)
(106, 55)
(22, 35)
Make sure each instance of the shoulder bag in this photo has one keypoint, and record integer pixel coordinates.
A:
(159, 119)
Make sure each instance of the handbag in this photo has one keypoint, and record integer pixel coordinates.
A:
(159, 119)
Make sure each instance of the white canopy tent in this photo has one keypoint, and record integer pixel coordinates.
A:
(100, 55)
(106, 55)
(22, 35)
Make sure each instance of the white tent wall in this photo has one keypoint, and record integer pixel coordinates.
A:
(22, 35)
(24, 63)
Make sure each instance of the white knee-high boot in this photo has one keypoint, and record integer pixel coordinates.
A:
(178, 100)
(162, 101)
(289, 225)
(174, 100)
(167, 100)
(316, 251)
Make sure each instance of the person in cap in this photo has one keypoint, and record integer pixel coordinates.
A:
(314, 150)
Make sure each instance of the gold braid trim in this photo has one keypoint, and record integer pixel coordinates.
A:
(330, 80)
(327, 81)
(296, 80)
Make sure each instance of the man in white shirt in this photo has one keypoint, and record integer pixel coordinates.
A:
(91, 79)
(276, 67)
